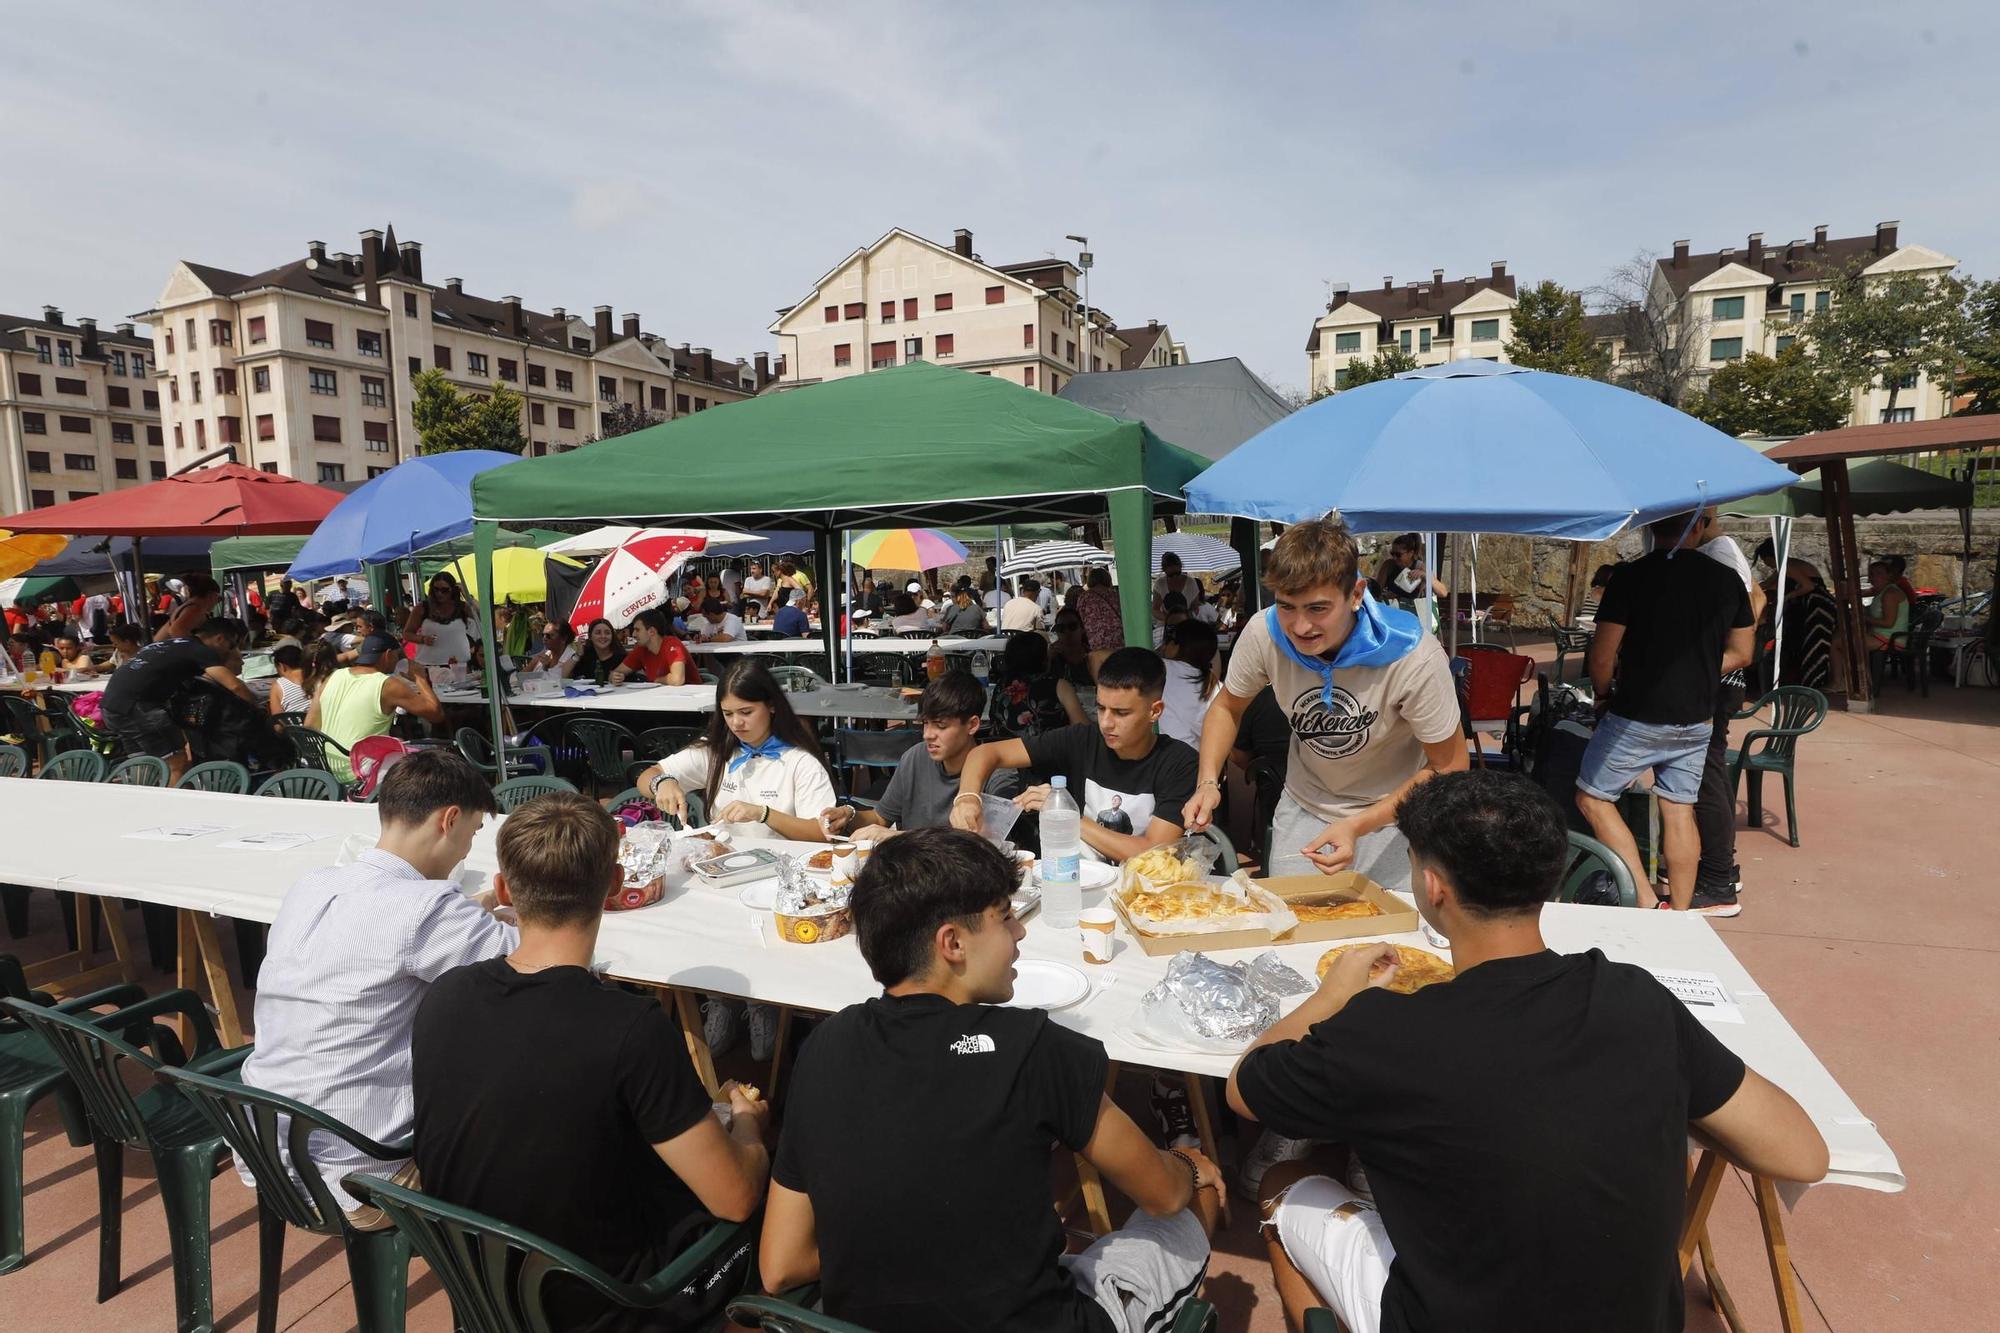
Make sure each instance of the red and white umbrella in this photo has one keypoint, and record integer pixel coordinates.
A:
(633, 578)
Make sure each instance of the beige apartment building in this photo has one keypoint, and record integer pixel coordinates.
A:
(1150, 345)
(305, 369)
(1730, 302)
(78, 413)
(1435, 321)
(905, 298)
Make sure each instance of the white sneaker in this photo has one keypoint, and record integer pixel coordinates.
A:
(763, 1022)
(1269, 1150)
(718, 1025)
(1172, 1114)
(1357, 1179)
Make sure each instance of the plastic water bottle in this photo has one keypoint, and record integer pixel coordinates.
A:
(1062, 853)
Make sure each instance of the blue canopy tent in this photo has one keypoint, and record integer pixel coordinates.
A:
(418, 503)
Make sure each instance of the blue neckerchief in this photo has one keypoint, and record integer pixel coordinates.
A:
(772, 748)
(1381, 635)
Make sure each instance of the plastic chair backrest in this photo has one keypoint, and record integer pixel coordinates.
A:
(478, 751)
(1796, 710)
(879, 749)
(141, 770)
(73, 766)
(90, 1056)
(603, 743)
(1587, 856)
(1496, 681)
(13, 762)
(518, 791)
(302, 784)
(221, 775)
(309, 747)
(779, 1316)
(797, 679)
(659, 742)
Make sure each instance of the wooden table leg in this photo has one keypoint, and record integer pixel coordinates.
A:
(1779, 1253)
(187, 952)
(688, 1011)
(1718, 1293)
(1088, 1182)
(229, 1024)
(778, 1052)
(1703, 1182)
(72, 973)
(121, 948)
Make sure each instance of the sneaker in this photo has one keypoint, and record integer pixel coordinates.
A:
(1172, 1115)
(718, 1026)
(1357, 1179)
(763, 1022)
(1269, 1150)
(1710, 902)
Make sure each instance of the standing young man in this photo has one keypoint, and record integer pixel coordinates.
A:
(921, 791)
(139, 694)
(1530, 1171)
(932, 1211)
(1715, 809)
(1369, 696)
(568, 1106)
(1671, 624)
(1121, 772)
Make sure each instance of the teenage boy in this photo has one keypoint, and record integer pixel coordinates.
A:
(919, 1213)
(658, 655)
(921, 791)
(1130, 782)
(354, 949)
(718, 623)
(965, 618)
(1369, 696)
(1719, 876)
(1532, 1171)
(139, 695)
(566, 1105)
(1671, 625)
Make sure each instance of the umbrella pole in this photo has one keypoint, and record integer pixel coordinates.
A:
(482, 567)
(1781, 544)
(1451, 597)
(847, 597)
(1472, 577)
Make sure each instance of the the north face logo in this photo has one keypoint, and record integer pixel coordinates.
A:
(976, 1044)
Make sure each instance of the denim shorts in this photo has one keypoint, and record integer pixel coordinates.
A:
(1621, 749)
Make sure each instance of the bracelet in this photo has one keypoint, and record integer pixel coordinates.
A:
(1194, 1174)
(765, 818)
(965, 796)
(1209, 782)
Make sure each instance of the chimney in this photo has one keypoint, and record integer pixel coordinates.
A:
(456, 286)
(410, 258)
(1792, 252)
(603, 327)
(516, 326)
(778, 369)
(961, 243)
(1885, 237)
(125, 330)
(557, 313)
(1819, 238)
(631, 326)
(51, 315)
(1756, 249)
(1437, 277)
(1152, 323)
(316, 251)
(707, 359)
(1388, 282)
(1680, 254)
(1499, 270)
(763, 363)
(371, 254)
(1723, 256)
(89, 327)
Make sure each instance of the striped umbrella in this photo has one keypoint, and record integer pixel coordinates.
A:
(1199, 555)
(906, 548)
(1046, 556)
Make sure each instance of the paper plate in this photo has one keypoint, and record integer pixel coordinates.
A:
(640, 685)
(1091, 875)
(760, 895)
(1040, 984)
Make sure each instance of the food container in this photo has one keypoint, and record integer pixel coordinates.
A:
(810, 910)
(643, 855)
(1348, 886)
(814, 927)
(728, 867)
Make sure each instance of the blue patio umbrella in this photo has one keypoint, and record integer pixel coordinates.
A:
(1474, 446)
(417, 503)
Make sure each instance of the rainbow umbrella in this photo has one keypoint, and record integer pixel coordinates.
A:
(905, 548)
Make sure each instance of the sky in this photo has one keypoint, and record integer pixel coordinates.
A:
(703, 164)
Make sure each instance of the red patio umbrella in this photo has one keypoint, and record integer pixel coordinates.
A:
(229, 500)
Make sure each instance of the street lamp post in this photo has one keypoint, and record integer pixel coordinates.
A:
(1083, 261)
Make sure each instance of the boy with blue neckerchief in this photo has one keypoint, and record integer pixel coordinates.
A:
(1369, 697)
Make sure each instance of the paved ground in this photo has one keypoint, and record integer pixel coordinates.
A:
(1878, 938)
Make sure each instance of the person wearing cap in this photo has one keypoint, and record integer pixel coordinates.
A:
(361, 700)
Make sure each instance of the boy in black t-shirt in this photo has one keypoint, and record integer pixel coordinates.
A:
(566, 1106)
(1524, 1126)
(912, 1178)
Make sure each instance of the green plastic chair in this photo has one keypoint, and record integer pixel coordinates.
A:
(1796, 710)
(141, 770)
(303, 784)
(605, 746)
(659, 742)
(310, 747)
(270, 1134)
(29, 1071)
(1587, 856)
(519, 791)
(221, 775)
(780, 1316)
(1319, 1319)
(494, 1273)
(158, 1121)
(13, 762)
(797, 679)
(73, 766)
(522, 760)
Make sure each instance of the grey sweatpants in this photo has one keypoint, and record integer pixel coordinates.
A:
(1383, 856)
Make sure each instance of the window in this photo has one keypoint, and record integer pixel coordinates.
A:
(1890, 414)
(843, 354)
(34, 423)
(375, 436)
(1820, 301)
(1404, 340)
(888, 312)
(854, 310)
(221, 333)
(319, 333)
(121, 432)
(1054, 344)
(200, 433)
(42, 499)
(881, 354)
(190, 333)
(475, 363)
(1028, 376)
(566, 418)
(913, 349)
(153, 436)
(1725, 349)
(31, 384)
(1485, 330)
(225, 379)
(1423, 340)
(1798, 305)
(194, 385)
(416, 366)
(127, 469)
(909, 307)
(228, 430)
(410, 304)
(832, 313)
(75, 388)
(659, 399)
(42, 345)
(1727, 307)
(323, 382)
(510, 370)
(537, 416)
(995, 295)
(441, 357)
(138, 366)
(179, 442)
(43, 355)
(538, 377)
(151, 399)
(1027, 335)
(607, 389)
(326, 429)
(260, 379)
(941, 303)
(1069, 350)
(267, 467)
(1055, 382)
(332, 472)
(267, 426)
(156, 469)
(1785, 340)
(118, 395)
(946, 344)
(701, 404)
(65, 357)
(74, 425)
(375, 472)
(38, 460)
(1347, 342)
(374, 392)
(174, 390)
(80, 462)
(681, 407)
(1097, 363)
(565, 382)
(367, 342)
(83, 495)
(117, 362)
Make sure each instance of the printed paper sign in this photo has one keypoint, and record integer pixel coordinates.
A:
(1704, 994)
(271, 842)
(177, 832)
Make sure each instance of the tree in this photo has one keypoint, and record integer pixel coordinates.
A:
(622, 419)
(1551, 333)
(1390, 361)
(1981, 376)
(448, 420)
(1890, 329)
(1789, 394)
(1653, 358)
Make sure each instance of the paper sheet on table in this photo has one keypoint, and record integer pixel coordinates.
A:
(275, 841)
(177, 832)
(1704, 995)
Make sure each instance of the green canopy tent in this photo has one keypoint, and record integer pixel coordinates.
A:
(259, 555)
(1878, 485)
(916, 446)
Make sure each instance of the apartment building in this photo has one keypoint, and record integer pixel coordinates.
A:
(904, 298)
(1730, 302)
(78, 413)
(1433, 320)
(305, 368)
(1150, 345)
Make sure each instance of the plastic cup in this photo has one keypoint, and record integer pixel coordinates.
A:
(1095, 925)
(997, 817)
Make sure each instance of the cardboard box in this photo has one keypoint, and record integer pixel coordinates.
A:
(1347, 886)
(1165, 946)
